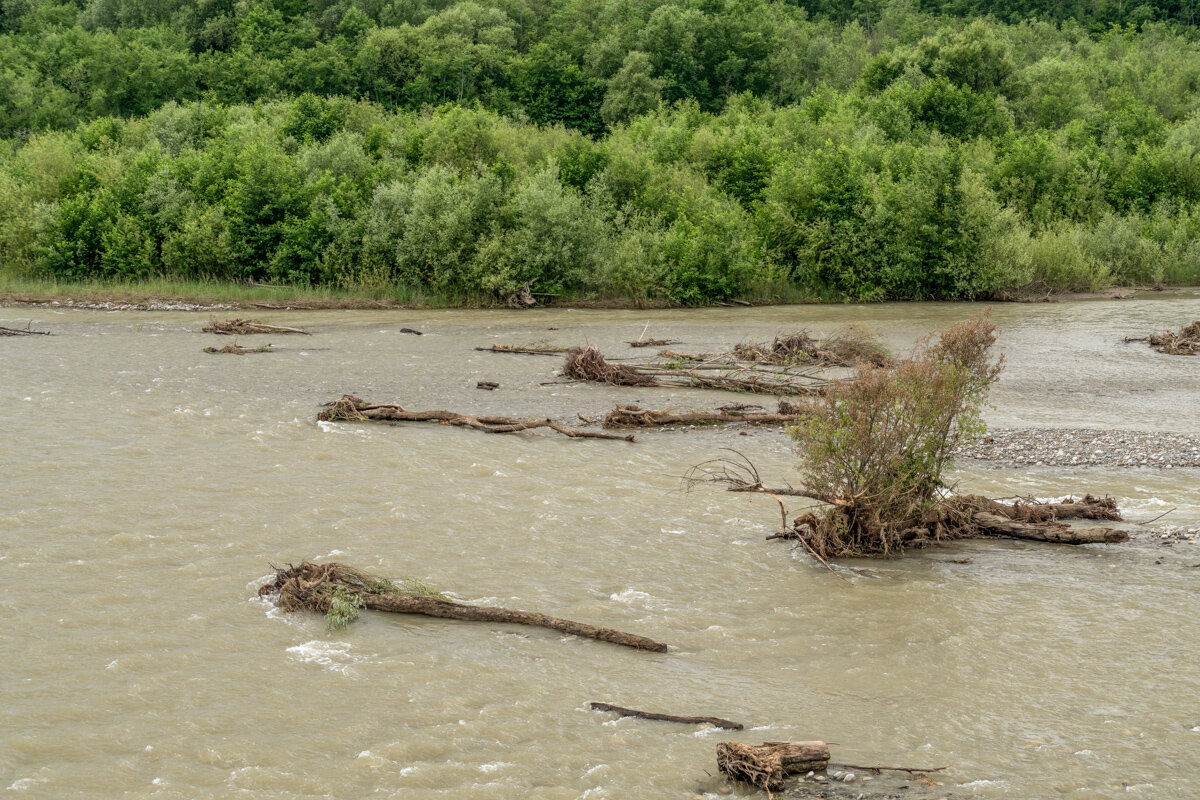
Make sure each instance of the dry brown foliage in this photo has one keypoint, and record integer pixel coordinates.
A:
(876, 446)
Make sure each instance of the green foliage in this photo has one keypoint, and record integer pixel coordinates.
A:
(686, 153)
(344, 608)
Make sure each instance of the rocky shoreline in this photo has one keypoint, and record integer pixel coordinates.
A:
(1066, 447)
(155, 305)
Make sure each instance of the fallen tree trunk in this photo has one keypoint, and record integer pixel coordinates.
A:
(632, 712)
(236, 327)
(349, 408)
(996, 525)
(336, 587)
(765, 765)
(635, 417)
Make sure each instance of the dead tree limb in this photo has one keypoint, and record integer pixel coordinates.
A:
(631, 712)
(349, 408)
(322, 587)
(878, 769)
(26, 331)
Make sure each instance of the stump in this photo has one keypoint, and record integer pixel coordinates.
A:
(765, 765)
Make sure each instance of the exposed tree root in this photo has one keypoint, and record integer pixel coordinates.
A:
(1184, 342)
(349, 408)
(631, 712)
(765, 765)
(491, 386)
(334, 588)
(236, 350)
(587, 364)
(236, 327)
(652, 342)
(635, 417)
(26, 331)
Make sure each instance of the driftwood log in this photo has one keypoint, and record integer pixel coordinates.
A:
(349, 408)
(316, 587)
(237, 350)
(633, 712)
(528, 350)
(26, 331)
(765, 765)
(236, 327)
(635, 417)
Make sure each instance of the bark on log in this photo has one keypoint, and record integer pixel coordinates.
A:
(766, 764)
(996, 525)
(632, 712)
(316, 586)
(349, 408)
(433, 607)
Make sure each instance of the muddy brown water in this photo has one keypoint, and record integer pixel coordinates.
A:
(147, 486)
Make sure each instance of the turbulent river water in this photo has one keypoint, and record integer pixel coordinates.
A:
(148, 487)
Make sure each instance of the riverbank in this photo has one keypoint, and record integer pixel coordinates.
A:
(170, 295)
(1084, 448)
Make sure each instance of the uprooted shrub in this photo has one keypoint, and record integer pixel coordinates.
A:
(876, 446)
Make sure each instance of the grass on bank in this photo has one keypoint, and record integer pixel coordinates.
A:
(22, 289)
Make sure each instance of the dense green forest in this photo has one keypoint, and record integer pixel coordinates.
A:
(680, 150)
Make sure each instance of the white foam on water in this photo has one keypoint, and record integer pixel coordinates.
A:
(334, 656)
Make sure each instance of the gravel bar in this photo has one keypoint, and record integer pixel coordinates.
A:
(1068, 447)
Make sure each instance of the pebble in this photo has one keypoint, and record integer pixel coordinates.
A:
(849, 778)
(1084, 447)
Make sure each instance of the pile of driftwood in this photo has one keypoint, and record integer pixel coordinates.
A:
(243, 327)
(587, 364)
(26, 331)
(335, 587)
(349, 408)
(1184, 342)
(845, 347)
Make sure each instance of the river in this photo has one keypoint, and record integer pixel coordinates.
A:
(148, 488)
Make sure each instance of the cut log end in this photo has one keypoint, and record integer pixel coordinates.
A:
(765, 765)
